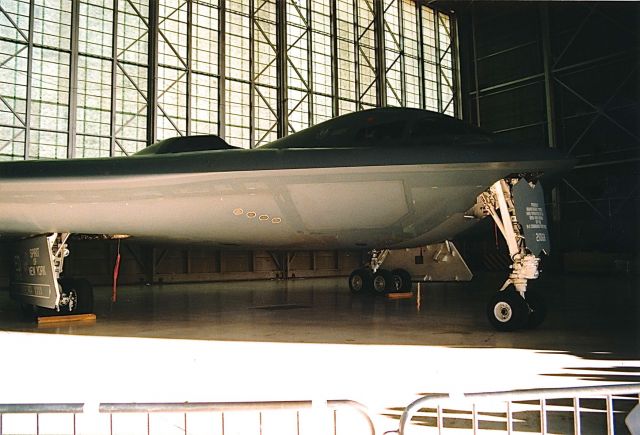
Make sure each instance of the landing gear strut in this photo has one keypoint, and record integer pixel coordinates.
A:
(522, 223)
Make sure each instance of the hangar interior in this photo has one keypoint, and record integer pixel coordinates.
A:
(106, 78)
(103, 78)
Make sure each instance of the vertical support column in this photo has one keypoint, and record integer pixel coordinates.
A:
(114, 78)
(152, 73)
(189, 64)
(403, 68)
(436, 26)
(335, 84)
(252, 73)
(149, 259)
(457, 79)
(421, 86)
(73, 79)
(27, 131)
(475, 64)
(356, 54)
(222, 68)
(549, 100)
(310, 62)
(187, 261)
(548, 75)
(220, 261)
(281, 62)
(381, 64)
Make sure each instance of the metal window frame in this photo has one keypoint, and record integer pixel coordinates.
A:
(150, 95)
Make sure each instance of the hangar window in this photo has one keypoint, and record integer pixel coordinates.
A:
(264, 72)
(97, 78)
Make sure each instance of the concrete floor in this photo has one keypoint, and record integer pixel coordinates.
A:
(309, 339)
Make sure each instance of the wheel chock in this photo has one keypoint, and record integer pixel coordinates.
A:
(406, 295)
(65, 319)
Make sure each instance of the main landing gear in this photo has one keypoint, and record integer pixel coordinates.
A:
(522, 222)
(37, 281)
(373, 279)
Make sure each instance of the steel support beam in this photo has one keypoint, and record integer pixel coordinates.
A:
(152, 73)
(457, 78)
(335, 84)
(381, 67)
(189, 65)
(474, 44)
(436, 25)
(252, 75)
(114, 79)
(599, 109)
(310, 63)
(27, 117)
(509, 86)
(281, 66)
(421, 87)
(73, 80)
(222, 67)
(403, 67)
(548, 75)
(556, 211)
(356, 54)
(574, 36)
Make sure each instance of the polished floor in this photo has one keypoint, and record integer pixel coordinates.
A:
(308, 339)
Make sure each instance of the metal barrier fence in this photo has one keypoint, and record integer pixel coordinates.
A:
(589, 410)
(223, 418)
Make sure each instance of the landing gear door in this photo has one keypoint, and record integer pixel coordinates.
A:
(529, 204)
(33, 280)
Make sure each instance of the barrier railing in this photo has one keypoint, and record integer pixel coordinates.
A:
(533, 410)
(295, 417)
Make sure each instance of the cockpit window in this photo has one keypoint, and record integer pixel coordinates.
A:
(186, 144)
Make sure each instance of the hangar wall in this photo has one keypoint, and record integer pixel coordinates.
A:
(95, 261)
(565, 75)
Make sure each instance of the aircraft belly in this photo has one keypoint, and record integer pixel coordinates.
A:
(287, 208)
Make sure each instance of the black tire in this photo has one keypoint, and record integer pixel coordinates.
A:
(28, 311)
(402, 280)
(537, 308)
(360, 281)
(507, 311)
(82, 293)
(383, 282)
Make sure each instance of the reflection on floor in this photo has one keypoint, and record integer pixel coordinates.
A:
(308, 339)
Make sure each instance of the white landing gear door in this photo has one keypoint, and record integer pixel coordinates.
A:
(529, 203)
(37, 263)
(522, 220)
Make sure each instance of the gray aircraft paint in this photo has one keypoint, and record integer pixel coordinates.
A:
(294, 193)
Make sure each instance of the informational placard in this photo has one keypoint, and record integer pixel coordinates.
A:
(530, 211)
(33, 280)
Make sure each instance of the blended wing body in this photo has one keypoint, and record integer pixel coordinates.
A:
(382, 178)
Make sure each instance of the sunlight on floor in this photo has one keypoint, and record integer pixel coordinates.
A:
(48, 368)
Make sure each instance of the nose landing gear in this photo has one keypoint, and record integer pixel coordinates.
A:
(522, 223)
